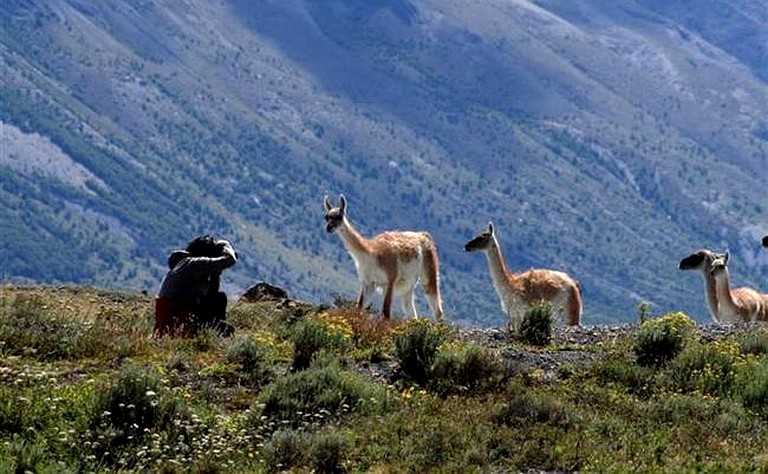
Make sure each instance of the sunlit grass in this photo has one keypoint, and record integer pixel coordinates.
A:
(84, 387)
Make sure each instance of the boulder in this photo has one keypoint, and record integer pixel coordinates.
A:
(264, 292)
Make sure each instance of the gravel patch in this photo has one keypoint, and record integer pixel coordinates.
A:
(580, 346)
(571, 347)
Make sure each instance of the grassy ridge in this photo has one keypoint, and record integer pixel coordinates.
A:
(303, 388)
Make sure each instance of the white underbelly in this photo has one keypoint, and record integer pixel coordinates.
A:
(407, 276)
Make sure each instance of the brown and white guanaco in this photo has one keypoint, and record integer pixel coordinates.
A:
(740, 304)
(391, 261)
(701, 260)
(518, 292)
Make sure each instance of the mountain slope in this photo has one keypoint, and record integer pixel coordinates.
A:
(607, 139)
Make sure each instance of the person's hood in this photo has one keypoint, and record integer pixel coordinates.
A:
(175, 257)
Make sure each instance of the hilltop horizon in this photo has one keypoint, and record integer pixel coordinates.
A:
(605, 140)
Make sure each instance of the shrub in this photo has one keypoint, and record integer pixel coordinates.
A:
(25, 456)
(11, 412)
(436, 443)
(536, 326)
(643, 311)
(416, 344)
(371, 335)
(316, 334)
(638, 380)
(714, 416)
(319, 393)
(755, 343)
(754, 389)
(246, 352)
(292, 314)
(705, 368)
(252, 357)
(661, 339)
(134, 404)
(286, 449)
(465, 367)
(329, 451)
(29, 410)
(525, 408)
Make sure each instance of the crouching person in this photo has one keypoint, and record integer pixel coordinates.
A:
(190, 298)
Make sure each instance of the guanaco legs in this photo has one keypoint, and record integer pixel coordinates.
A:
(391, 261)
(741, 304)
(519, 292)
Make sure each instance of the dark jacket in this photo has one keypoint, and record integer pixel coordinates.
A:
(191, 277)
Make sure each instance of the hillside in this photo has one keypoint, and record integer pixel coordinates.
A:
(606, 139)
(301, 388)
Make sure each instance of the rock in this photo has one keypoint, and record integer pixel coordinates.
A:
(264, 292)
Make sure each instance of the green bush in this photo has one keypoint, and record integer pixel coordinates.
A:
(134, 404)
(704, 368)
(329, 451)
(637, 380)
(319, 394)
(643, 311)
(754, 389)
(659, 340)
(525, 408)
(313, 336)
(11, 411)
(287, 449)
(536, 326)
(754, 343)
(23, 456)
(437, 444)
(718, 416)
(252, 358)
(465, 368)
(39, 409)
(416, 344)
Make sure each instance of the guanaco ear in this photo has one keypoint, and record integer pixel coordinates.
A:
(342, 203)
(327, 203)
(726, 257)
(490, 227)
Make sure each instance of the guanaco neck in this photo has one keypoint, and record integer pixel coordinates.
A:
(354, 242)
(710, 289)
(724, 295)
(499, 273)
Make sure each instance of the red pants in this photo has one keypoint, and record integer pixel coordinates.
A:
(174, 318)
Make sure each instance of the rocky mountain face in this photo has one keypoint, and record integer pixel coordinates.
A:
(605, 139)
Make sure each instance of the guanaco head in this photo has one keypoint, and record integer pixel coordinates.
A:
(481, 241)
(719, 264)
(765, 241)
(700, 260)
(334, 216)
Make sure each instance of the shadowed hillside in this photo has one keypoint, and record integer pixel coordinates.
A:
(605, 139)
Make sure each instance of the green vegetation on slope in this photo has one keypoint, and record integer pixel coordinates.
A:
(303, 388)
